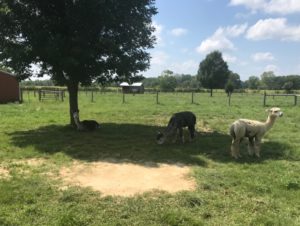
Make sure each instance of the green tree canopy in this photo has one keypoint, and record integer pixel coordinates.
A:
(229, 87)
(76, 41)
(269, 80)
(253, 82)
(167, 82)
(213, 71)
(151, 82)
(295, 79)
(235, 80)
(288, 86)
(184, 81)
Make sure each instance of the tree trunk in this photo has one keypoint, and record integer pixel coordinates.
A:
(73, 100)
(211, 92)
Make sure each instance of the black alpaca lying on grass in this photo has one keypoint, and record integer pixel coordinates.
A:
(85, 125)
(177, 122)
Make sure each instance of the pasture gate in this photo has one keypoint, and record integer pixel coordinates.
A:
(51, 95)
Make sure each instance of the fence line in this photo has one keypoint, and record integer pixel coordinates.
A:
(283, 95)
(158, 97)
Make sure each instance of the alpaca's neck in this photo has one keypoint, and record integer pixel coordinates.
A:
(270, 122)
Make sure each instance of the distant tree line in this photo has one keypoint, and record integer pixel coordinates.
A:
(169, 81)
(38, 83)
(268, 80)
(213, 73)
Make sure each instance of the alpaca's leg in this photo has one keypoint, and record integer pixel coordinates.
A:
(237, 137)
(181, 134)
(235, 148)
(251, 146)
(257, 146)
(174, 134)
(192, 132)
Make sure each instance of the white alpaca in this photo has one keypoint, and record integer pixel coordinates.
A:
(253, 130)
(87, 125)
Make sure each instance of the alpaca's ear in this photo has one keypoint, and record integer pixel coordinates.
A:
(268, 110)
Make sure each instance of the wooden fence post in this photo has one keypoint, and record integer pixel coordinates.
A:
(40, 95)
(295, 100)
(192, 97)
(123, 98)
(21, 95)
(92, 96)
(265, 97)
(156, 97)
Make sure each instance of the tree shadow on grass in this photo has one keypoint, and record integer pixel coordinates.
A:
(112, 142)
(136, 143)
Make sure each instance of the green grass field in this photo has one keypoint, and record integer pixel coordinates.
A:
(248, 191)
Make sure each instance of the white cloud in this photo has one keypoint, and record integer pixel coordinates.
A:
(283, 6)
(263, 56)
(186, 67)
(159, 58)
(215, 43)
(273, 29)
(231, 31)
(178, 32)
(272, 67)
(160, 62)
(157, 33)
(253, 5)
(229, 59)
(220, 39)
(270, 6)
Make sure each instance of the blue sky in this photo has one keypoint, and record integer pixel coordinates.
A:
(253, 35)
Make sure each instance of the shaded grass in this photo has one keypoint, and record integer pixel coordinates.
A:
(110, 141)
(249, 191)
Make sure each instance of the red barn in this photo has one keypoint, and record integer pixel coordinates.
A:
(9, 88)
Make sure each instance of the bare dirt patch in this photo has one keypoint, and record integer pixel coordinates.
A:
(127, 179)
(4, 173)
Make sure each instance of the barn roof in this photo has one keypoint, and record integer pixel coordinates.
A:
(124, 84)
(6, 73)
(137, 84)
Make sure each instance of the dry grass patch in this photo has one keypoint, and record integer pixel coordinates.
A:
(31, 161)
(4, 173)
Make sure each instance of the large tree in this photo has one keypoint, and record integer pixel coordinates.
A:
(76, 41)
(213, 71)
(235, 80)
(253, 82)
(268, 80)
(167, 82)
